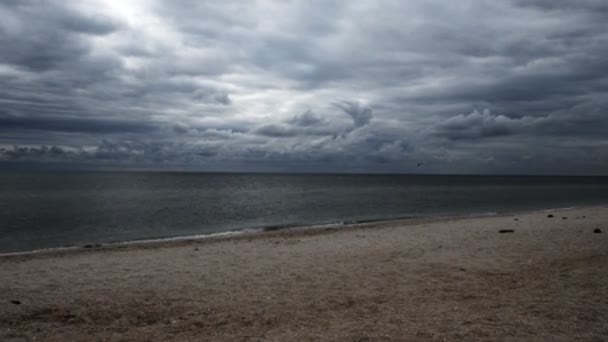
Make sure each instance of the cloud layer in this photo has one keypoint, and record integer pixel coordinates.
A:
(364, 86)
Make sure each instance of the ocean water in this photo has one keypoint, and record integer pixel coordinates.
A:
(47, 210)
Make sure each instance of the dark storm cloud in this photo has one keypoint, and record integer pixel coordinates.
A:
(482, 87)
(83, 125)
(565, 5)
(304, 124)
(477, 126)
(33, 153)
(361, 115)
(40, 35)
(275, 131)
(308, 118)
(589, 120)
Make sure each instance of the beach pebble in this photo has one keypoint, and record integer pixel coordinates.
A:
(597, 231)
(502, 231)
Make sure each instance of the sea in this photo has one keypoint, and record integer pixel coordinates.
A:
(42, 210)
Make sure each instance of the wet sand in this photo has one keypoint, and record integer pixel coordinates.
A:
(450, 279)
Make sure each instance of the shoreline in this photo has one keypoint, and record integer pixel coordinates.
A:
(510, 277)
(258, 232)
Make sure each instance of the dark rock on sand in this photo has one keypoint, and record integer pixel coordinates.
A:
(502, 231)
(550, 215)
(597, 231)
(564, 218)
(16, 302)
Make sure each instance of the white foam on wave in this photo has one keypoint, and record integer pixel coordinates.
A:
(42, 250)
(558, 209)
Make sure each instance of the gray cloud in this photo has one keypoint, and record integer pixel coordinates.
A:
(44, 35)
(478, 125)
(306, 119)
(59, 124)
(274, 131)
(361, 115)
(482, 87)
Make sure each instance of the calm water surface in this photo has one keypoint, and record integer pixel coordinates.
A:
(44, 210)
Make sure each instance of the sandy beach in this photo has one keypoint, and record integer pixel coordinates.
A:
(443, 279)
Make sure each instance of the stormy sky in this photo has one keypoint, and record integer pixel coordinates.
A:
(421, 86)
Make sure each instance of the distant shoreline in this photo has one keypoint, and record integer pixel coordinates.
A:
(257, 232)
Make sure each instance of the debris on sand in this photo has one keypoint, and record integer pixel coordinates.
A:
(502, 231)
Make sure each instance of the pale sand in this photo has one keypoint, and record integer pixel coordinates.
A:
(436, 280)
